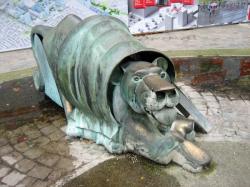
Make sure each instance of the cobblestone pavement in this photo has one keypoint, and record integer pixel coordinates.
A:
(34, 150)
(39, 154)
(226, 107)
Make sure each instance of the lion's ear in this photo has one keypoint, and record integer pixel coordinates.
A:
(125, 65)
(161, 62)
(123, 68)
(116, 76)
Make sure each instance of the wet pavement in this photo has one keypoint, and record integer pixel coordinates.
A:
(21, 103)
(229, 168)
(34, 150)
(128, 170)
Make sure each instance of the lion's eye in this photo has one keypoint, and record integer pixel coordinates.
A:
(136, 78)
(163, 75)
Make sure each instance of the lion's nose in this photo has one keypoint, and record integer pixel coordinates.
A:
(157, 84)
(160, 95)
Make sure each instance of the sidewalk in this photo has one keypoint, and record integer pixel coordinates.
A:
(204, 41)
(221, 37)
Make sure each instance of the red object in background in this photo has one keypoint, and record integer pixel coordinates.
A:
(139, 4)
(188, 2)
(184, 2)
(150, 2)
(249, 14)
(144, 3)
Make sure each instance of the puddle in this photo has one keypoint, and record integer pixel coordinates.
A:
(127, 170)
(21, 103)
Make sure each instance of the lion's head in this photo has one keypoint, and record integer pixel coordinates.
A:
(147, 89)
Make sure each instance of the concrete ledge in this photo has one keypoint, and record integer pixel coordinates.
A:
(8, 76)
(195, 67)
(209, 53)
(210, 70)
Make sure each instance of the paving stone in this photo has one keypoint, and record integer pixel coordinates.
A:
(63, 128)
(194, 94)
(244, 127)
(65, 164)
(22, 147)
(33, 153)
(14, 133)
(206, 94)
(40, 124)
(40, 183)
(28, 127)
(213, 105)
(48, 130)
(24, 165)
(40, 172)
(187, 89)
(5, 150)
(199, 101)
(32, 134)
(12, 157)
(210, 99)
(82, 154)
(27, 182)
(201, 107)
(2, 132)
(179, 84)
(48, 159)
(90, 156)
(58, 134)
(56, 174)
(234, 97)
(3, 185)
(59, 122)
(13, 178)
(59, 147)
(4, 170)
(42, 140)
(14, 137)
(3, 141)
(244, 134)
(221, 98)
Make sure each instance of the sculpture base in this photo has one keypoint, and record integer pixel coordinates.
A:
(108, 135)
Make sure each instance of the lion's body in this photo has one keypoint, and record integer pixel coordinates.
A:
(114, 90)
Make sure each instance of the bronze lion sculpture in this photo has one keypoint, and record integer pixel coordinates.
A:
(115, 91)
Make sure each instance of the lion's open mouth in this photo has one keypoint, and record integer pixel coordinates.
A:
(165, 116)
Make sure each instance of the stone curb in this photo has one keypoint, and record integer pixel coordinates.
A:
(204, 69)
